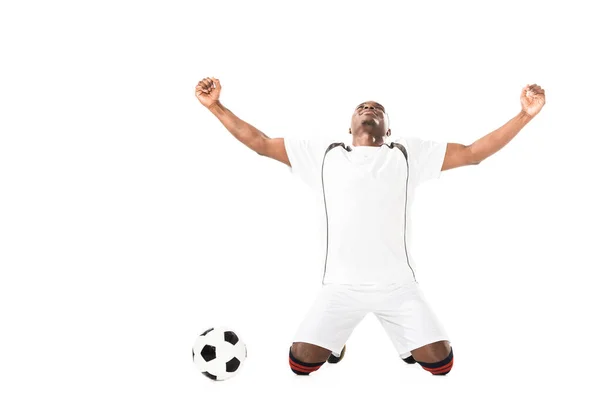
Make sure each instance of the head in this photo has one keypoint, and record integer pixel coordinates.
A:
(370, 118)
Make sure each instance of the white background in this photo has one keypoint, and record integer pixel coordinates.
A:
(131, 220)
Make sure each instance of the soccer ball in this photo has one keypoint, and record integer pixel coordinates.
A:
(219, 353)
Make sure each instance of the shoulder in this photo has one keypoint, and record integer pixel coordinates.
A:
(312, 142)
(416, 143)
(409, 141)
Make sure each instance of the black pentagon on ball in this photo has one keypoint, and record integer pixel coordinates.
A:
(206, 331)
(232, 365)
(208, 353)
(211, 376)
(193, 354)
(231, 337)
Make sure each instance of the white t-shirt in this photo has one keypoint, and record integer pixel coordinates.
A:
(363, 194)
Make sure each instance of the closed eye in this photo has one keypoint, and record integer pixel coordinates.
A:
(377, 106)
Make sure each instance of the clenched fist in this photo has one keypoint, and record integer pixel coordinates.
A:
(533, 98)
(208, 91)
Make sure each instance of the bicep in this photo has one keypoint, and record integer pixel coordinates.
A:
(457, 155)
(275, 149)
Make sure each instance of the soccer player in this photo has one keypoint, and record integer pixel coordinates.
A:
(367, 185)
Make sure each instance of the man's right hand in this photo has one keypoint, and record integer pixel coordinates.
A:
(208, 91)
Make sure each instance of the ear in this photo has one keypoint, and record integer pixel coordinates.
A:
(350, 131)
(388, 133)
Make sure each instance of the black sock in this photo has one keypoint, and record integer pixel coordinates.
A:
(409, 360)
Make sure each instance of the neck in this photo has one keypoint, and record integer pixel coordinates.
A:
(367, 139)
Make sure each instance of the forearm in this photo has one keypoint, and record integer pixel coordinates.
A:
(241, 130)
(494, 141)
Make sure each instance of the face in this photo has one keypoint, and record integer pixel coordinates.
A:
(370, 114)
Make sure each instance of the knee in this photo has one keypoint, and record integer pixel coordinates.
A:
(440, 367)
(303, 361)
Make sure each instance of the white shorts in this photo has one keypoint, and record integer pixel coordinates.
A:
(403, 311)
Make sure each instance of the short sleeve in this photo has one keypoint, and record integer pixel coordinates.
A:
(306, 156)
(426, 158)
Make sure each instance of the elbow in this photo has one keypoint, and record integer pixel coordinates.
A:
(258, 146)
(473, 157)
(261, 150)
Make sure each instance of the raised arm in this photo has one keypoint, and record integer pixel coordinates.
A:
(208, 92)
(533, 98)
